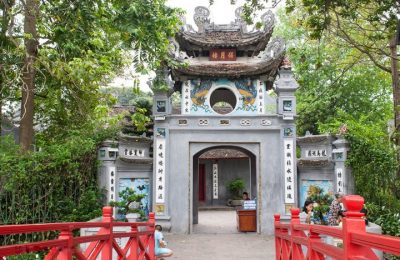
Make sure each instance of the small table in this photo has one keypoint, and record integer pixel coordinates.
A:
(246, 220)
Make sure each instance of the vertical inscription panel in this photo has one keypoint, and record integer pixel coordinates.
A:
(215, 181)
(289, 171)
(186, 100)
(160, 165)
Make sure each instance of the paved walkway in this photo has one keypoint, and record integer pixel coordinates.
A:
(216, 238)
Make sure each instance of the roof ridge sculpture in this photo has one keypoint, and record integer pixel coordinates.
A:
(204, 24)
(234, 34)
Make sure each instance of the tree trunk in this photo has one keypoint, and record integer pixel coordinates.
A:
(28, 75)
(396, 102)
(1, 104)
(396, 89)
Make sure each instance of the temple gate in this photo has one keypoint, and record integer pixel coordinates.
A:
(237, 93)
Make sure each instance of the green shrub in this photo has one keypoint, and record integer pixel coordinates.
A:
(236, 188)
(58, 183)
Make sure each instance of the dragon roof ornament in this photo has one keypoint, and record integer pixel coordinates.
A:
(204, 25)
(234, 34)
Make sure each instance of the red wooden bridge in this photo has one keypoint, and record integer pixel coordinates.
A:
(292, 240)
(303, 241)
(140, 240)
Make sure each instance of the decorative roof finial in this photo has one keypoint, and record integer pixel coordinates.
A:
(200, 17)
(286, 63)
(268, 19)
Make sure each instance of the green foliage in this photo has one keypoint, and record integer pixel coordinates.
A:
(236, 188)
(372, 158)
(160, 83)
(325, 15)
(140, 120)
(147, 26)
(127, 198)
(333, 77)
(343, 82)
(387, 217)
(131, 96)
(83, 46)
(55, 184)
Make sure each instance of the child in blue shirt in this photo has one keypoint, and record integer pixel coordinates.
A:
(160, 245)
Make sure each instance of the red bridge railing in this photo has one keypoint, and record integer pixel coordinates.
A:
(291, 238)
(140, 240)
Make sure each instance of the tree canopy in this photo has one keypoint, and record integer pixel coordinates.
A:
(76, 47)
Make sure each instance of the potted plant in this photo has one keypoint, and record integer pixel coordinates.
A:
(322, 201)
(129, 204)
(236, 188)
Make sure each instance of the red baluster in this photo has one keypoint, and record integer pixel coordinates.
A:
(278, 244)
(312, 254)
(134, 248)
(152, 221)
(106, 253)
(297, 252)
(353, 222)
(66, 252)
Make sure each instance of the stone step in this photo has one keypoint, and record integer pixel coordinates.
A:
(216, 208)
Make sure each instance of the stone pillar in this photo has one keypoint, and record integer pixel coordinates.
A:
(107, 173)
(286, 85)
(162, 108)
(343, 176)
(161, 104)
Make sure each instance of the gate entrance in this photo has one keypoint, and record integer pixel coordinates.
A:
(234, 96)
(215, 169)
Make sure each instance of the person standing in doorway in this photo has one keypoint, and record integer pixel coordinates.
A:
(160, 246)
(245, 196)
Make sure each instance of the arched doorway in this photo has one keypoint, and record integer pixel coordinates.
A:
(213, 169)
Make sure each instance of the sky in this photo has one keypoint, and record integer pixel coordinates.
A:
(221, 12)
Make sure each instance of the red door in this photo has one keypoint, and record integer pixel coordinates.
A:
(202, 182)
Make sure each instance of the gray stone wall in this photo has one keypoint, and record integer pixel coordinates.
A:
(322, 164)
(266, 136)
(184, 145)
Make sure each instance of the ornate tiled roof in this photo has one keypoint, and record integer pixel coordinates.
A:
(255, 55)
(134, 139)
(313, 139)
(235, 34)
(314, 163)
(128, 159)
(266, 63)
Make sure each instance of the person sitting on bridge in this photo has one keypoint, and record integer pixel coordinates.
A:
(160, 246)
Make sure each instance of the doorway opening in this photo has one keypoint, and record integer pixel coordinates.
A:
(214, 169)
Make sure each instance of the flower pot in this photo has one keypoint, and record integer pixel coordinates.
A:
(132, 217)
(234, 203)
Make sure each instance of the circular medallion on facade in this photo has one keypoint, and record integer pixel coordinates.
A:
(223, 101)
